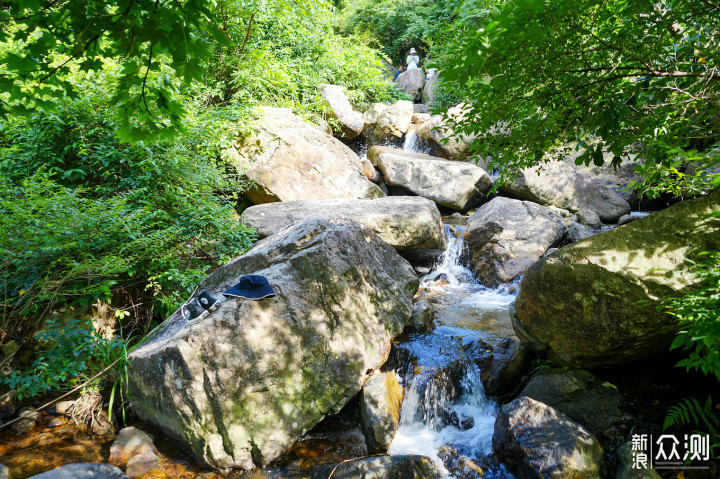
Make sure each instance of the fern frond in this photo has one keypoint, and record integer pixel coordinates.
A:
(690, 411)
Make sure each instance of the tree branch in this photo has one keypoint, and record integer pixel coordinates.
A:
(247, 34)
(144, 83)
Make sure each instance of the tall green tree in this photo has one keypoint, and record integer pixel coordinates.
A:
(624, 76)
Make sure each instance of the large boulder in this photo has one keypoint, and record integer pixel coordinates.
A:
(341, 110)
(557, 184)
(506, 236)
(597, 302)
(412, 83)
(405, 222)
(438, 134)
(288, 159)
(380, 402)
(538, 441)
(580, 395)
(452, 184)
(387, 122)
(240, 386)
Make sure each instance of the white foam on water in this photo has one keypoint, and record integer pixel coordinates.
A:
(418, 436)
(413, 143)
(491, 298)
(454, 288)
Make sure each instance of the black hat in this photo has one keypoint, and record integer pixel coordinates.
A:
(251, 287)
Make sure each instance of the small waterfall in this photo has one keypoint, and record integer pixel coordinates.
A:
(445, 404)
(450, 267)
(413, 143)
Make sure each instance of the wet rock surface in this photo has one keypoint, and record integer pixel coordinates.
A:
(539, 441)
(242, 385)
(436, 367)
(422, 316)
(383, 467)
(503, 365)
(380, 402)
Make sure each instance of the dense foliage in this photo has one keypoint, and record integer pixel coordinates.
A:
(699, 315)
(89, 215)
(625, 77)
(431, 27)
(397, 26)
(58, 35)
(76, 349)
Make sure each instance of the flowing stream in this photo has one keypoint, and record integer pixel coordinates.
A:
(445, 404)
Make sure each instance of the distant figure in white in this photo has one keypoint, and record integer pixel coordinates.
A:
(413, 60)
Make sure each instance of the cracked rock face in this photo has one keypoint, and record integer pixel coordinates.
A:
(240, 386)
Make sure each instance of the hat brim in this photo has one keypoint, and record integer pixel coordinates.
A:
(262, 292)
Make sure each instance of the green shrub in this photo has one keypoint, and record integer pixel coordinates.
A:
(289, 54)
(71, 354)
(699, 315)
(86, 215)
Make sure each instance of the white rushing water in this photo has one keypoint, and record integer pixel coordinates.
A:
(413, 143)
(465, 310)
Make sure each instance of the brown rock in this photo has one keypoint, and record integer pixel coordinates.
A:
(380, 403)
(130, 442)
(144, 465)
(370, 172)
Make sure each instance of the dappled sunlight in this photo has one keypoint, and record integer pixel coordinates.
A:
(627, 249)
(246, 382)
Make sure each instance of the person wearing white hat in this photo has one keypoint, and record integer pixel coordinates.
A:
(413, 60)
